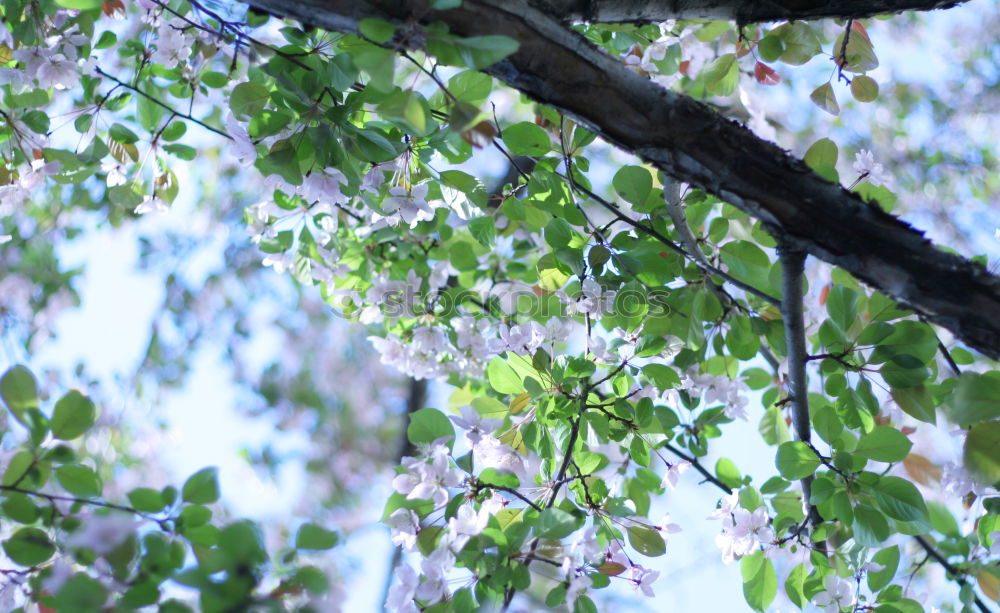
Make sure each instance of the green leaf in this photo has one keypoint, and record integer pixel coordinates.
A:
(722, 75)
(428, 425)
(525, 138)
(202, 487)
(824, 97)
(73, 415)
(801, 42)
(554, 523)
(121, 134)
(795, 586)
(884, 444)
(864, 88)
(558, 233)
(490, 408)
(633, 184)
(408, 109)
(760, 583)
(980, 455)
(908, 338)
(662, 376)
(827, 423)
(889, 558)
(79, 5)
(19, 391)
(860, 54)
(870, 526)
(184, 152)
(502, 377)
(899, 499)
(82, 594)
(976, 398)
(248, 99)
(795, 460)
(728, 473)
(79, 480)
(476, 52)
(146, 499)
(773, 428)
(376, 30)
(770, 48)
(484, 230)
(29, 546)
(747, 262)
(647, 540)
(311, 536)
(916, 402)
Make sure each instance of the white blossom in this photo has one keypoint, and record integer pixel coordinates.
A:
(580, 549)
(401, 593)
(242, 148)
(838, 593)
(172, 44)
(742, 532)
(642, 580)
(578, 583)
(475, 425)
(408, 205)
(430, 478)
(404, 526)
(674, 471)
(324, 187)
(867, 168)
(155, 204)
(279, 261)
(665, 527)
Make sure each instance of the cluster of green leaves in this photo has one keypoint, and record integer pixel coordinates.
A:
(61, 522)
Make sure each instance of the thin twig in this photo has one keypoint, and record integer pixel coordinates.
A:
(163, 523)
(163, 104)
(959, 575)
(746, 287)
(699, 467)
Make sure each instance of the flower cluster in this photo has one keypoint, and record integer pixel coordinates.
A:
(743, 531)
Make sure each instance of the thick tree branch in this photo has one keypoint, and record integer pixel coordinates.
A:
(693, 143)
(741, 11)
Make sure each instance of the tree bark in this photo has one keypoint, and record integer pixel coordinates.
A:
(692, 143)
(740, 11)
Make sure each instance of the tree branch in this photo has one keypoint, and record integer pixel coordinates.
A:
(959, 576)
(741, 11)
(415, 398)
(792, 268)
(692, 143)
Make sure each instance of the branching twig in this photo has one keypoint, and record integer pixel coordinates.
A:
(162, 523)
(574, 433)
(160, 103)
(959, 576)
(620, 216)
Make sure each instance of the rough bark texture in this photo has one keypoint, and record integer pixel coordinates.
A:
(741, 11)
(693, 143)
